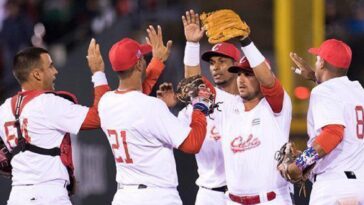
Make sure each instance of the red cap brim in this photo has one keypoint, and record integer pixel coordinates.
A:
(145, 48)
(209, 54)
(314, 51)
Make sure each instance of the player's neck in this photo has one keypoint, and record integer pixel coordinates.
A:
(250, 104)
(30, 85)
(129, 84)
(231, 87)
(328, 76)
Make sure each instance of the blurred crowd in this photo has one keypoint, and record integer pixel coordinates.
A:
(55, 24)
(60, 25)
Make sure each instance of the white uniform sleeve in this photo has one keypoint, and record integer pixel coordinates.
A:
(326, 111)
(185, 115)
(63, 114)
(166, 127)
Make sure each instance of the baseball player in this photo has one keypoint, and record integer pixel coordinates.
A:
(36, 121)
(253, 129)
(335, 127)
(211, 180)
(141, 130)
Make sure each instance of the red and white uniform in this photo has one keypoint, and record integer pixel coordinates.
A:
(210, 160)
(142, 133)
(41, 179)
(250, 141)
(338, 101)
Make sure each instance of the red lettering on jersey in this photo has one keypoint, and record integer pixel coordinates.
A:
(214, 134)
(11, 132)
(359, 111)
(239, 145)
(116, 146)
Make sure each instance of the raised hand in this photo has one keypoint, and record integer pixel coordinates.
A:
(155, 39)
(191, 24)
(167, 94)
(94, 57)
(302, 69)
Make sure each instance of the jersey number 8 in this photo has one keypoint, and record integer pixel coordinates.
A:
(359, 121)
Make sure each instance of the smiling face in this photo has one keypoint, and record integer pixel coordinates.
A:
(248, 86)
(219, 70)
(47, 72)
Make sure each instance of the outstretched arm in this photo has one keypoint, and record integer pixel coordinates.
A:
(97, 67)
(270, 86)
(193, 33)
(160, 55)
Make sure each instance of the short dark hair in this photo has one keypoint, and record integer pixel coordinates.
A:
(126, 73)
(335, 70)
(25, 60)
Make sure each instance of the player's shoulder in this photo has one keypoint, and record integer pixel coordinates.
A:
(5, 106)
(326, 88)
(222, 96)
(50, 97)
(107, 95)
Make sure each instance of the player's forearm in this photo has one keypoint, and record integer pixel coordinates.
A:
(257, 61)
(92, 120)
(325, 142)
(191, 59)
(274, 95)
(193, 143)
(328, 139)
(154, 70)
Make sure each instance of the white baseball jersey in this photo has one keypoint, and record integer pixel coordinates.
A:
(45, 120)
(142, 133)
(339, 101)
(250, 141)
(210, 160)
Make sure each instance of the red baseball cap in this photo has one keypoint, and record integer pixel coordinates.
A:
(222, 49)
(243, 66)
(335, 52)
(126, 52)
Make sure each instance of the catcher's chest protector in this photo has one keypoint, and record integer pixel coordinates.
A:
(65, 149)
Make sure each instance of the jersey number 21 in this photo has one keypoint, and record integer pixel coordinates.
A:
(116, 146)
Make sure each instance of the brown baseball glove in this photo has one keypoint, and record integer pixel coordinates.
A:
(188, 89)
(286, 156)
(222, 25)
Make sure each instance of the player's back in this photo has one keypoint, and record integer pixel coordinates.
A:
(142, 133)
(348, 99)
(44, 120)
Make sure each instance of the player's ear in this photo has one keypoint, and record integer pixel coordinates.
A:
(140, 64)
(320, 61)
(36, 74)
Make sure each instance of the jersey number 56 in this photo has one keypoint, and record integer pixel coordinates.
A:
(12, 133)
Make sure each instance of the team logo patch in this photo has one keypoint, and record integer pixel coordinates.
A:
(216, 47)
(256, 121)
(241, 145)
(139, 54)
(214, 134)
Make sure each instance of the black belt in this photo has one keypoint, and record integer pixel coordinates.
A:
(140, 186)
(220, 189)
(64, 185)
(349, 175)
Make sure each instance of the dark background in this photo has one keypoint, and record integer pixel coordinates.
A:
(65, 28)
